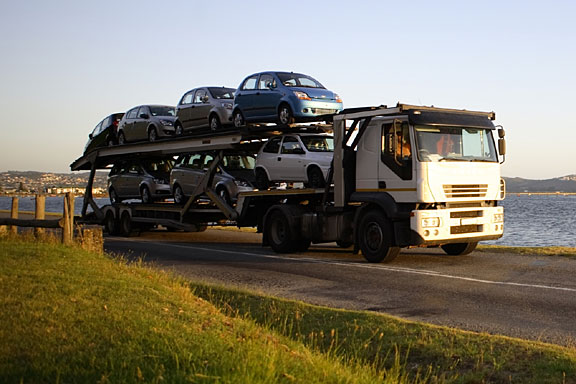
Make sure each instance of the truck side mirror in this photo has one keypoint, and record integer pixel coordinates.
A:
(502, 146)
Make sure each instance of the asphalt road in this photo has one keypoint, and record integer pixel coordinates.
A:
(530, 297)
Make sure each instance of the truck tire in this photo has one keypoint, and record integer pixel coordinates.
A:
(126, 227)
(111, 224)
(458, 249)
(375, 237)
(282, 234)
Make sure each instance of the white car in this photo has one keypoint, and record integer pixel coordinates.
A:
(303, 157)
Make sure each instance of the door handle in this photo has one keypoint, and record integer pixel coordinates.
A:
(279, 159)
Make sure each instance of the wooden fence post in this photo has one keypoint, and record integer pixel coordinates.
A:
(40, 213)
(68, 219)
(14, 214)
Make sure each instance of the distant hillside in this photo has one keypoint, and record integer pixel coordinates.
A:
(559, 184)
(32, 181)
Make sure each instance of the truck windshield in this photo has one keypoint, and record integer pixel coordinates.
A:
(440, 143)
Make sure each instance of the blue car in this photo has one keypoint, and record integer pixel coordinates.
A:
(284, 98)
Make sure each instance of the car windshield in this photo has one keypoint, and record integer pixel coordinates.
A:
(222, 93)
(298, 80)
(238, 162)
(440, 143)
(318, 143)
(162, 111)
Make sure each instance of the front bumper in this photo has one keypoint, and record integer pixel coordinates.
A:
(456, 225)
(313, 108)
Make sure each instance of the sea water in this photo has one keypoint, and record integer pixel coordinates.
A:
(530, 220)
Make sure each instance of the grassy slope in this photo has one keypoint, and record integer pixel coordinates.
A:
(71, 316)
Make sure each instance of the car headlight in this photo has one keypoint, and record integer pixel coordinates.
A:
(498, 218)
(302, 95)
(227, 105)
(241, 183)
(167, 123)
(430, 222)
(338, 98)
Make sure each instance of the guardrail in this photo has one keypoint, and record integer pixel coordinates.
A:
(39, 223)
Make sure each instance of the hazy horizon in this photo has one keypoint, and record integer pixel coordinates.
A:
(68, 64)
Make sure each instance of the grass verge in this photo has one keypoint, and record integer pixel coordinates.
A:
(73, 316)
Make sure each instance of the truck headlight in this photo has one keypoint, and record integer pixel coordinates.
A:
(430, 222)
(498, 218)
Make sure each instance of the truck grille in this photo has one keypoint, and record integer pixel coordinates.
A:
(465, 229)
(455, 191)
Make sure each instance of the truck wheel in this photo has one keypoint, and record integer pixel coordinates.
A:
(262, 182)
(375, 238)
(281, 235)
(126, 228)
(315, 178)
(110, 224)
(456, 249)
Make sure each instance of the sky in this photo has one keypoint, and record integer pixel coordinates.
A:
(65, 65)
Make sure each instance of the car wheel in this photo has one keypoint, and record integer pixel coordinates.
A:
(178, 130)
(145, 195)
(375, 238)
(238, 119)
(179, 195)
(121, 138)
(215, 123)
(315, 178)
(224, 195)
(285, 116)
(111, 142)
(458, 249)
(114, 198)
(152, 134)
(262, 182)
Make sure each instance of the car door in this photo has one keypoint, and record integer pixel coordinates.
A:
(293, 159)
(200, 109)
(188, 173)
(267, 97)
(131, 181)
(184, 109)
(245, 97)
(128, 125)
(141, 123)
(269, 158)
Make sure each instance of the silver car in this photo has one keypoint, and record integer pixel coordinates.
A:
(235, 174)
(205, 107)
(147, 180)
(303, 157)
(147, 122)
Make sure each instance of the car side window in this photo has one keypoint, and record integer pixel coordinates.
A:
(143, 110)
(194, 161)
(266, 82)
(272, 146)
(250, 83)
(132, 113)
(187, 98)
(105, 123)
(200, 94)
(290, 145)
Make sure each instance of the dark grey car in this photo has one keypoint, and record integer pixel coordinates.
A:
(147, 180)
(147, 122)
(234, 175)
(204, 107)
